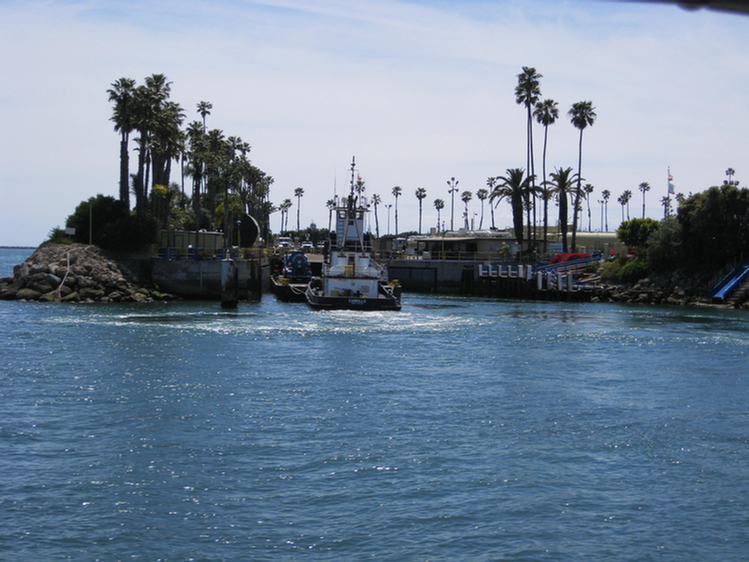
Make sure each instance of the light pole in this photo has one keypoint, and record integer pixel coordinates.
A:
(388, 206)
(453, 183)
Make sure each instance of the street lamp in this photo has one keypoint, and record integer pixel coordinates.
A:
(388, 207)
(453, 183)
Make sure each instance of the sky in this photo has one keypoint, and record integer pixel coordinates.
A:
(418, 91)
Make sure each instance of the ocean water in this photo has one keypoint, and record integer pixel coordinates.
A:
(456, 429)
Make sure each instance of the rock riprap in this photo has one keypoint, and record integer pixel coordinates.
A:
(75, 273)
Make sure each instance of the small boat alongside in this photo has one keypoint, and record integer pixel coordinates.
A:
(352, 279)
(291, 283)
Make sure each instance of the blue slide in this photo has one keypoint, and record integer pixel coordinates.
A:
(730, 282)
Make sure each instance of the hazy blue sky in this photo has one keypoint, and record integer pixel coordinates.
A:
(418, 91)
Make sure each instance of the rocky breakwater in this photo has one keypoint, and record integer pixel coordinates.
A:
(676, 290)
(75, 273)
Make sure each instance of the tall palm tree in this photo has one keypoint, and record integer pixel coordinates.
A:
(527, 93)
(482, 195)
(622, 200)
(439, 204)
(421, 193)
(644, 187)
(285, 206)
(606, 194)
(587, 191)
(490, 183)
(666, 202)
(204, 108)
(514, 187)
(546, 114)
(149, 101)
(627, 198)
(466, 196)
(330, 204)
(165, 141)
(121, 94)
(298, 193)
(582, 114)
(396, 193)
(563, 186)
(376, 200)
(730, 172)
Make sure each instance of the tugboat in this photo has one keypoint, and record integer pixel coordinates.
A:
(351, 278)
(296, 274)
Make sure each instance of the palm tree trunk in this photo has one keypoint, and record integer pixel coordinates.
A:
(124, 171)
(577, 193)
(546, 198)
(563, 219)
(532, 173)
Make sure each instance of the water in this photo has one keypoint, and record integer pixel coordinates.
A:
(457, 429)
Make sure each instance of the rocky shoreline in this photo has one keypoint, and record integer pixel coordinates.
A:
(676, 290)
(76, 273)
(82, 273)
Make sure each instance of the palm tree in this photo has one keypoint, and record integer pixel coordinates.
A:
(466, 196)
(490, 183)
(439, 204)
(546, 114)
(149, 101)
(582, 114)
(622, 200)
(121, 95)
(298, 193)
(376, 201)
(204, 108)
(627, 198)
(730, 172)
(563, 182)
(165, 141)
(421, 193)
(514, 187)
(285, 206)
(666, 202)
(482, 195)
(527, 93)
(396, 193)
(587, 191)
(644, 187)
(606, 194)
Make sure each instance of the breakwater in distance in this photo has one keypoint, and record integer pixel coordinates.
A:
(461, 428)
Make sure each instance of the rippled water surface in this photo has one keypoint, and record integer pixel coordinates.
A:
(457, 429)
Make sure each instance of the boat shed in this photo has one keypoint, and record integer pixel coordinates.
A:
(484, 244)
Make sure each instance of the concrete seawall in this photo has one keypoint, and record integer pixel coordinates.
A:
(201, 279)
(434, 276)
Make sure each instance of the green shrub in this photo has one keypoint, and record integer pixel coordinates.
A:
(633, 271)
(611, 271)
(91, 217)
(57, 236)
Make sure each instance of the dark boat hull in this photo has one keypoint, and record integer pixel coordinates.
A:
(288, 291)
(382, 302)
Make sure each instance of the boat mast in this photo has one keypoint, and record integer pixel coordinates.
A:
(351, 212)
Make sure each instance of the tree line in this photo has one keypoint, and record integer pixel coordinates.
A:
(225, 184)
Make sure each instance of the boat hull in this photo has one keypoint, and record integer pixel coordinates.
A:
(288, 291)
(318, 301)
